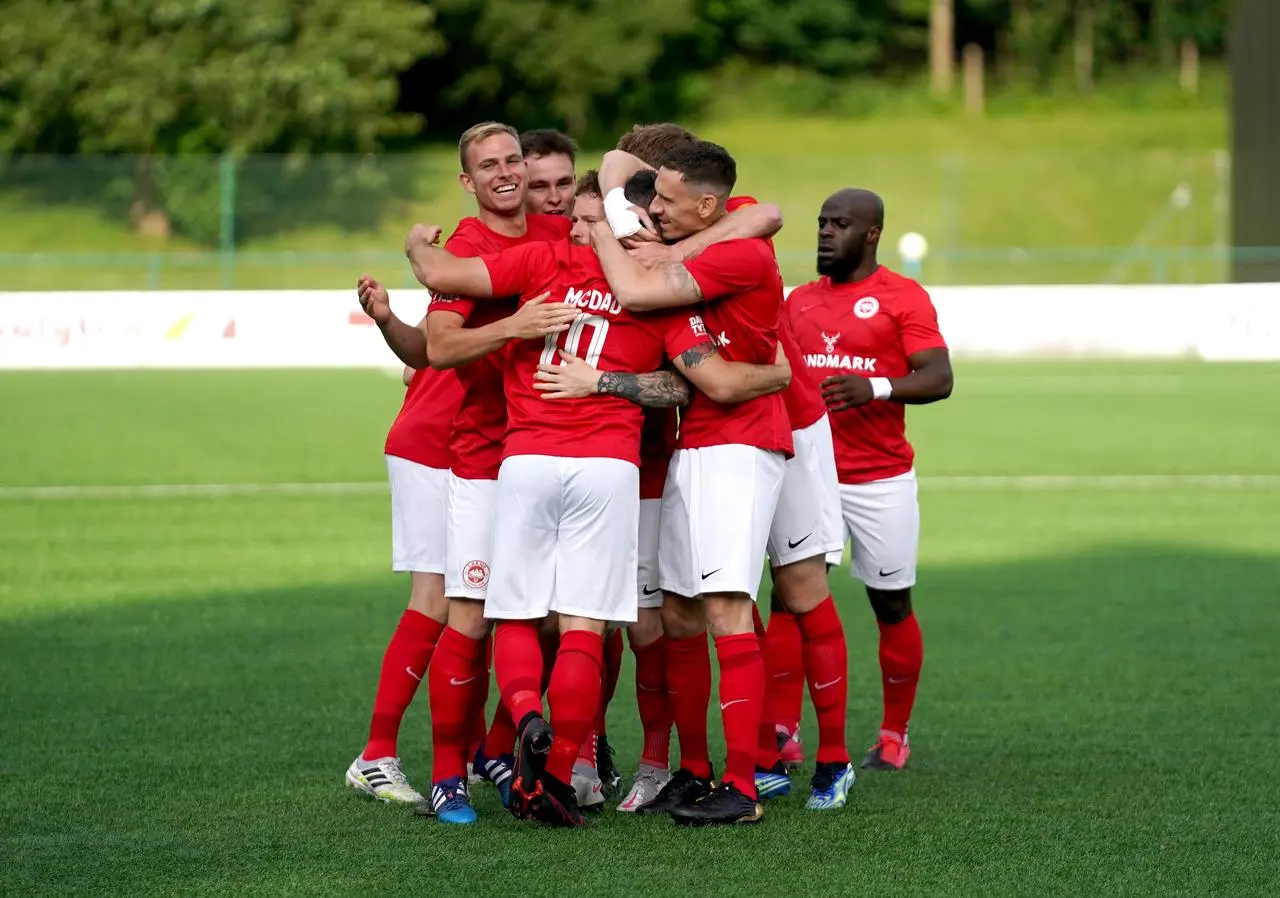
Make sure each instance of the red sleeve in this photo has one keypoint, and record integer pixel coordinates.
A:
(516, 271)
(734, 203)
(728, 268)
(918, 322)
(682, 331)
(462, 246)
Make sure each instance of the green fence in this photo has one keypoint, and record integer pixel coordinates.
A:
(279, 222)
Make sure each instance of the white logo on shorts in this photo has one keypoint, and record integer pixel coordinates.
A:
(475, 574)
(830, 340)
(866, 307)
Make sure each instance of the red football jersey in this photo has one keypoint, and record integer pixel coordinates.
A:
(742, 292)
(866, 328)
(657, 443)
(481, 420)
(420, 432)
(804, 405)
(604, 334)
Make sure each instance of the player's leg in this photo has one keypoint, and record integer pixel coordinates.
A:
(606, 769)
(802, 536)
(418, 498)
(459, 678)
(595, 576)
(737, 495)
(648, 645)
(519, 598)
(684, 623)
(784, 692)
(884, 518)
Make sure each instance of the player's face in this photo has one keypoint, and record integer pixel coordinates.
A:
(495, 173)
(677, 209)
(550, 184)
(587, 210)
(843, 234)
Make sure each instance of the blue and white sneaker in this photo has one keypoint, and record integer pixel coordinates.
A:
(830, 787)
(772, 783)
(497, 771)
(450, 801)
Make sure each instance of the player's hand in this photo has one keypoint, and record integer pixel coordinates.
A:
(648, 232)
(374, 299)
(652, 255)
(571, 379)
(842, 392)
(421, 235)
(538, 318)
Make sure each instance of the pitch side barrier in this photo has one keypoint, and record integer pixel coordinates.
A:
(325, 328)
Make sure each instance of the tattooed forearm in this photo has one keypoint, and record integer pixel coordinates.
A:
(692, 358)
(680, 282)
(659, 389)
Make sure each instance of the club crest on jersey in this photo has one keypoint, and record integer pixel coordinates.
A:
(830, 340)
(593, 301)
(866, 307)
(475, 574)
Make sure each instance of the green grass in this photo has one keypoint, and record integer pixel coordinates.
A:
(1042, 189)
(186, 679)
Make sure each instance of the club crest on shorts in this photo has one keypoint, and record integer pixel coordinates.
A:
(475, 574)
(866, 307)
(830, 340)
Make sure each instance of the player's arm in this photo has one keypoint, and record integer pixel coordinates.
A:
(760, 220)
(575, 379)
(930, 380)
(617, 167)
(441, 271)
(729, 382)
(640, 289)
(405, 340)
(407, 375)
(451, 345)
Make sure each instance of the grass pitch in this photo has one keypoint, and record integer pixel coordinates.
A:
(187, 676)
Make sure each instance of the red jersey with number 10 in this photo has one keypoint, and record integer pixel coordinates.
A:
(868, 329)
(481, 421)
(604, 334)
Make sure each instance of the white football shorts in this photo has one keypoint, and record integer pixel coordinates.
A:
(882, 519)
(650, 594)
(469, 549)
(565, 539)
(419, 497)
(807, 521)
(717, 509)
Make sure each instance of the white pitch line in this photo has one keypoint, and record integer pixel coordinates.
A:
(1041, 482)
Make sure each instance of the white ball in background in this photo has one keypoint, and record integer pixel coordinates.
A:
(912, 246)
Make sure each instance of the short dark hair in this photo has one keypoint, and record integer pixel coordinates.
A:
(705, 163)
(641, 187)
(651, 143)
(589, 184)
(548, 142)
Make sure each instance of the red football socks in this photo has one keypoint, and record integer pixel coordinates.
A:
(651, 699)
(574, 696)
(404, 665)
(784, 661)
(826, 666)
(741, 703)
(766, 733)
(452, 681)
(501, 738)
(689, 689)
(612, 670)
(480, 699)
(517, 666)
(901, 657)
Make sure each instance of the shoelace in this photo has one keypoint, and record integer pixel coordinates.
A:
(394, 773)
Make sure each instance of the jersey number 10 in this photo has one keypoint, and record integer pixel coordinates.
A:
(572, 339)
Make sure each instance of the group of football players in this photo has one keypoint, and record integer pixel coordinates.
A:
(614, 416)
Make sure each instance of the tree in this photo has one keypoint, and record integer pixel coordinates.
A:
(204, 76)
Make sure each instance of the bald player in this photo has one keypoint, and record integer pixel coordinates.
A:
(871, 336)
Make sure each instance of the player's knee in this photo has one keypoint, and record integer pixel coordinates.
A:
(467, 617)
(570, 622)
(803, 585)
(891, 606)
(729, 614)
(426, 595)
(682, 618)
(647, 628)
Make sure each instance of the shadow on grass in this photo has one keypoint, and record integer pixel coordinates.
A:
(1068, 739)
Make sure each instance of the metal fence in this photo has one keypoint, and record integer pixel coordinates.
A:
(295, 222)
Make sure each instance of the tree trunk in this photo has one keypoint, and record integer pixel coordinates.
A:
(145, 210)
(974, 100)
(1084, 47)
(1190, 65)
(942, 44)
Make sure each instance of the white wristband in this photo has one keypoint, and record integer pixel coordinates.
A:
(618, 212)
(881, 388)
